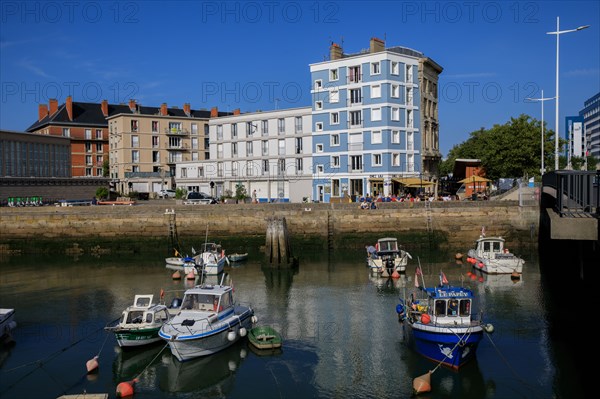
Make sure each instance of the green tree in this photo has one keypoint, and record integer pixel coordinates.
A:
(509, 150)
(102, 193)
(240, 191)
(105, 168)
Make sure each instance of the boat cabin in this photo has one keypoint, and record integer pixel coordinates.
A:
(206, 300)
(491, 247)
(450, 305)
(144, 311)
(386, 245)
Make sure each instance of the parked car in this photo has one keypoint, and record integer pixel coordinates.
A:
(166, 194)
(197, 195)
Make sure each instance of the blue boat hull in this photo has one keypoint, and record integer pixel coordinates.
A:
(442, 344)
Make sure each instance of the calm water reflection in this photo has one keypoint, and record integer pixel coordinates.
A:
(342, 337)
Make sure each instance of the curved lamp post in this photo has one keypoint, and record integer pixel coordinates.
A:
(542, 99)
(559, 32)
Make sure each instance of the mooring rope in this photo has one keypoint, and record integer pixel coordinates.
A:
(152, 361)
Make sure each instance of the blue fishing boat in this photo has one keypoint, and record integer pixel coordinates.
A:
(441, 324)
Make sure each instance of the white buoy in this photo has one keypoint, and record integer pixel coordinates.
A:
(231, 336)
(232, 365)
(254, 319)
(489, 328)
(243, 332)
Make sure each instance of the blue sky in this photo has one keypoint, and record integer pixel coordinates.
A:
(256, 55)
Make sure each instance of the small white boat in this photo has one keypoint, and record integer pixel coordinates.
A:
(7, 322)
(209, 321)
(139, 323)
(490, 256)
(211, 259)
(386, 257)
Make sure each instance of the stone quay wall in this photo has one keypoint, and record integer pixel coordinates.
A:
(452, 224)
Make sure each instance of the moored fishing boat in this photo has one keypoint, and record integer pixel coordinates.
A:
(492, 257)
(441, 324)
(209, 321)
(387, 257)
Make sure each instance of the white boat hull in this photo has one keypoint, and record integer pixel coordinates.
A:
(508, 264)
(376, 265)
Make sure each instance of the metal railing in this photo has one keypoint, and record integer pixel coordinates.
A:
(577, 192)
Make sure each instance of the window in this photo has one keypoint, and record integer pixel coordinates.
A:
(298, 124)
(265, 166)
(281, 147)
(281, 126)
(154, 126)
(376, 114)
(175, 127)
(335, 118)
(88, 147)
(135, 156)
(88, 159)
(375, 68)
(98, 147)
(156, 156)
(409, 95)
(356, 163)
(395, 159)
(320, 169)
(318, 84)
(298, 145)
(409, 118)
(249, 168)
(395, 137)
(99, 134)
(299, 165)
(234, 168)
(219, 132)
(234, 149)
(354, 74)
(99, 160)
(280, 165)
(335, 187)
(335, 140)
(355, 118)
(355, 96)
(376, 91)
(88, 134)
(335, 161)
(250, 129)
(155, 141)
(219, 169)
(66, 132)
(195, 156)
(409, 141)
(234, 130)
(219, 151)
(376, 160)
(409, 74)
(265, 147)
(88, 172)
(183, 172)
(319, 126)
(334, 96)
(134, 125)
(249, 148)
(319, 147)
(395, 92)
(319, 105)
(99, 171)
(135, 141)
(135, 169)
(333, 74)
(194, 128)
(376, 137)
(200, 171)
(395, 114)
(395, 68)
(195, 143)
(264, 127)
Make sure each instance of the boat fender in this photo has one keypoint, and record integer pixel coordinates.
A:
(400, 309)
(231, 336)
(175, 303)
(425, 319)
(232, 366)
(488, 328)
(254, 319)
(243, 332)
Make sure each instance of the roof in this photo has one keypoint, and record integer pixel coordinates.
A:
(90, 114)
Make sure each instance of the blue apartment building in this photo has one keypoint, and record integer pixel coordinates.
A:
(372, 125)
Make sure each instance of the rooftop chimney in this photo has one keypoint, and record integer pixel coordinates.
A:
(214, 112)
(53, 106)
(236, 111)
(187, 108)
(42, 111)
(335, 52)
(104, 107)
(132, 105)
(163, 109)
(377, 45)
(69, 106)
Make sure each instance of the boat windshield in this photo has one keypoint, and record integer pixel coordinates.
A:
(388, 246)
(200, 302)
(135, 316)
(453, 307)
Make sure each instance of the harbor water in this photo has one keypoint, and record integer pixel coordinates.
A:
(342, 338)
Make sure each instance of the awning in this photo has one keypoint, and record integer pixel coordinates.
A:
(376, 179)
(474, 179)
(413, 182)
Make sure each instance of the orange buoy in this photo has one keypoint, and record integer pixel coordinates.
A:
(422, 383)
(125, 388)
(481, 279)
(425, 319)
(515, 276)
(469, 274)
(480, 265)
(458, 256)
(190, 275)
(473, 276)
(395, 274)
(92, 364)
(176, 275)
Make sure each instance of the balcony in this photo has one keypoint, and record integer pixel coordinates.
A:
(176, 132)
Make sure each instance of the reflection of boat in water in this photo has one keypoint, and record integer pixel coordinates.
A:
(496, 281)
(209, 376)
(388, 284)
(129, 363)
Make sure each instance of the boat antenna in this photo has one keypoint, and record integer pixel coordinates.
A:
(421, 269)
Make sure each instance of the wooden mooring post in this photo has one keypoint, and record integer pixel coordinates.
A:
(277, 245)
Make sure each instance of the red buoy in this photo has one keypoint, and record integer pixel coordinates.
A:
(125, 389)
(425, 319)
(176, 275)
(191, 275)
(422, 383)
(395, 274)
(92, 364)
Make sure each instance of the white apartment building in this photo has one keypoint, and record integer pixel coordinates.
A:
(266, 151)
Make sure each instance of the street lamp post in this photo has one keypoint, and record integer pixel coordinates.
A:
(542, 99)
(558, 32)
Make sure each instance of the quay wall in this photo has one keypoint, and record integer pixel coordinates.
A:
(453, 224)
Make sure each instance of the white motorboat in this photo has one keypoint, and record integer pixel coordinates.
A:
(386, 257)
(209, 321)
(211, 259)
(492, 257)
